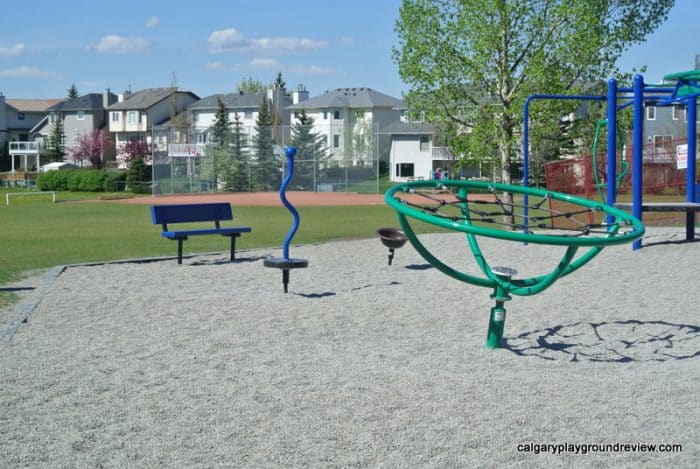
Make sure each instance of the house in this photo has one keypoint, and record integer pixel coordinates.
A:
(79, 116)
(134, 115)
(412, 155)
(18, 119)
(349, 119)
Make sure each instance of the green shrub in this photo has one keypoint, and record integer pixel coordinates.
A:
(138, 172)
(115, 182)
(77, 180)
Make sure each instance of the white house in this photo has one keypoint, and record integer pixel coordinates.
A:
(350, 120)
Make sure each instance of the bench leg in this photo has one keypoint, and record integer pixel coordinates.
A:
(179, 250)
(689, 225)
(233, 246)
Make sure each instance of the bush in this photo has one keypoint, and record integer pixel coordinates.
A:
(115, 182)
(138, 173)
(77, 180)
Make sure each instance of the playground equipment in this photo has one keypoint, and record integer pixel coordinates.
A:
(393, 239)
(685, 92)
(457, 212)
(285, 262)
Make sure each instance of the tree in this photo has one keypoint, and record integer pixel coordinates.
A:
(55, 148)
(135, 149)
(218, 157)
(268, 173)
(235, 174)
(472, 63)
(251, 85)
(91, 147)
(72, 92)
(311, 149)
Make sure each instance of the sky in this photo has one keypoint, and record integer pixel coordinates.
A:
(210, 46)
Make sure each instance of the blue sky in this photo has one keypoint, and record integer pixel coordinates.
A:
(210, 46)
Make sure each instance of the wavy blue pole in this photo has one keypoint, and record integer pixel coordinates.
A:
(290, 152)
(284, 262)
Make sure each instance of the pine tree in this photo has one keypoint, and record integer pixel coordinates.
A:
(72, 92)
(235, 177)
(311, 150)
(268, 174)
(55, 147)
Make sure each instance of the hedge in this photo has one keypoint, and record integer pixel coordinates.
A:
(80, 180)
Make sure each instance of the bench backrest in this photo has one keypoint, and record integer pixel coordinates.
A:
(190, 213)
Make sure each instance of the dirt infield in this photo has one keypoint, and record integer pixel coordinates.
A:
(267, 199)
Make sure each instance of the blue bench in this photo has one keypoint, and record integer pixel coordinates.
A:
(194, 213)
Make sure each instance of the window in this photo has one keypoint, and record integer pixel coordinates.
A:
(651, 113)
(80, 115)
(325, 115)
(424, 143)
(115, 117)
(248, 114)
(52, 118)
(676, 113)
(20, 116)
(336, 141)
(662, 143)
(404, 170)
(336, 115)
(132, 117)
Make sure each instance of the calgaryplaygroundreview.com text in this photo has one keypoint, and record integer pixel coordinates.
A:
(585, 448)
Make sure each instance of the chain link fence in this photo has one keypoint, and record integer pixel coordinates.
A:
(251, 159)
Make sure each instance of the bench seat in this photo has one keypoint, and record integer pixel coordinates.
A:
(196, 213)
(206, 231)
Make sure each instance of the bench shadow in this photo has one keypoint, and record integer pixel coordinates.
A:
(14, 289)
(623, 341)
(227, 260)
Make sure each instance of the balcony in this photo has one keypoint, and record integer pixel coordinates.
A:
(25, 148)
(442, 153)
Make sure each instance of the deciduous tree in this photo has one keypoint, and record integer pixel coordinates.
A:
(91, 147)
(470, 64)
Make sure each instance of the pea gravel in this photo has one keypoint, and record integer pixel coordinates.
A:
(210, 364)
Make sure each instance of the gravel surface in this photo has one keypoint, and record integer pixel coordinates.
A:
(210, 364)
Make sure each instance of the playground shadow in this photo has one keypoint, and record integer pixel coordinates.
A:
(227, 260)
(614, 342)
(419, 266)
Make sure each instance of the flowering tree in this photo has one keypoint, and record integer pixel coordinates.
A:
(91, 147)
(134, 149)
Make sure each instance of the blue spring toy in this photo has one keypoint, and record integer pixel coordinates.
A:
(285, 262)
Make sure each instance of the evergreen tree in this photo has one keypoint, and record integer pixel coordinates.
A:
(268, 174)
(218, 157)
(311, 150)
(72, 92)
(55, 147)
(222, 125)
(235, 177)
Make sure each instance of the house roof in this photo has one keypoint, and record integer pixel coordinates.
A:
(86, 102)
(408, 128)
(230, 100)
(32, 105)
(144, 99)
(362, 98)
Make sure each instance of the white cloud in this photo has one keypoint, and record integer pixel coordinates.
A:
(263, 62)
(287, 43)
(226, 40)
(347, 40)
(27, 72)
(152, 22)
(232, 40)
(114, 44)
(14, 51)
(222, 67)
(314, 70)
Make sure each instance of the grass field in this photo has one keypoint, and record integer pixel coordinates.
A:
(38, 234)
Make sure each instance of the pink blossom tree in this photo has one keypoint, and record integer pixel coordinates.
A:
(134, 149)
(91, 147)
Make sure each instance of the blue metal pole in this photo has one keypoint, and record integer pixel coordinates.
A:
(637, 142)
(690, 194)
(290, 152)
(612, 145)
